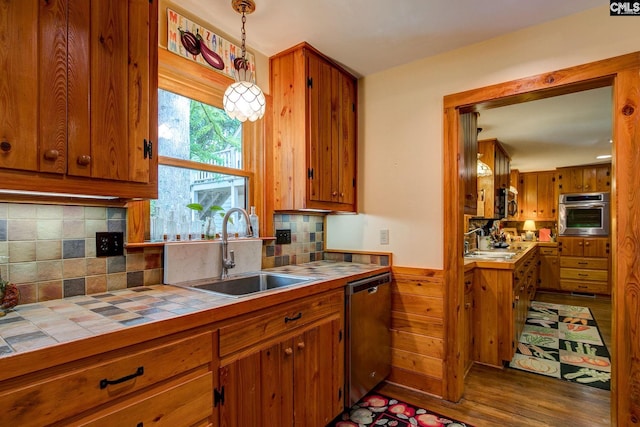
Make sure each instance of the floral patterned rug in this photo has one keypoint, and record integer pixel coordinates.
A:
(378, 410)
(563, 341)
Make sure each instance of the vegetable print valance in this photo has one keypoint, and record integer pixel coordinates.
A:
(191, 40)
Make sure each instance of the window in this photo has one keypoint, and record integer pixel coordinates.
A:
(205, 157)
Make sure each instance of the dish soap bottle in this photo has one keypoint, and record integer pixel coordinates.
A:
(255, 224)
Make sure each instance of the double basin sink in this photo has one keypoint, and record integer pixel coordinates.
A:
(250, 284)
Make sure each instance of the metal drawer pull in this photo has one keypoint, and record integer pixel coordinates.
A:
(293, 319)
(104, 383)
(373, 290)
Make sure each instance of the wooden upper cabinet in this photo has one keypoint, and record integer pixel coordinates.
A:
(33, 91)
(469, 170)
(538, 196)
(80, 99)
(495, 156)
(314, 123)
(585, 179)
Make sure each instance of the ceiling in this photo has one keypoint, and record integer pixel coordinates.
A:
(369, 36)
(566, 130)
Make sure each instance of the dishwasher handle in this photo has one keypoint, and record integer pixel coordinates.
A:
(368, 283)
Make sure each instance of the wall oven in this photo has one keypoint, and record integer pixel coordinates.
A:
(583, 214)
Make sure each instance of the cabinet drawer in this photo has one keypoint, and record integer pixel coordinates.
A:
(584, 286)
(183, 402)
(548, 251)
(579, 262)
(253, 329)
(77, 389)
(580, 274)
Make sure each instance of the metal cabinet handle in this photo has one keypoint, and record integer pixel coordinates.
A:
(301, 345)
(288, 319)
(104, 383)
(288, 351)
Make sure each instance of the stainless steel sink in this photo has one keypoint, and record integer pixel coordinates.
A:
(251, 283)
(497, 254)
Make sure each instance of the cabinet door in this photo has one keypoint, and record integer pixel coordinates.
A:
(258, 388)
(549, 271)
(110, 71)
(347, 141)
(547, 196)
(603, 178)
(571, 246)
(572, 180)
(322, 130)
(331, 133)
(596, 247)
(589, 181)
(318, 378)
(529, 207)
(33, 103)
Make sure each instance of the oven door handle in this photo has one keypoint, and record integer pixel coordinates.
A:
(584, 206)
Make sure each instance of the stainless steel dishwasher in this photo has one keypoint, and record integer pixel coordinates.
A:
(368, 345)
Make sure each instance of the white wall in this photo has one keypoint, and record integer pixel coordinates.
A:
(400, 126)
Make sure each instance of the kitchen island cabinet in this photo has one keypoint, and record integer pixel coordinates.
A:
(502, 296)
(313, 158)
(79, 111)
(284, 366)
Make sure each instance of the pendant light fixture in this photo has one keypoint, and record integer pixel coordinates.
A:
(483, 168)
(244, 99)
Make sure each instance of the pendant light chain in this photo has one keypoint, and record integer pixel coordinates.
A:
(244, 34)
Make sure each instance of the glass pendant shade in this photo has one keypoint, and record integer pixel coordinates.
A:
(483, 168)
(244, 100)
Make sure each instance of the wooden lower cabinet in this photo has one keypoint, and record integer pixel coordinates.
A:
(549, 268)
(468, 321)
(292, 379)
(584, 264)
(502, 297)
(164, 382)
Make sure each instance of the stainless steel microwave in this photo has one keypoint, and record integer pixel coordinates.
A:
(583, 214)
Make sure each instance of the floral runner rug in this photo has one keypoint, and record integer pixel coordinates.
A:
(378, 410)
(563, 341)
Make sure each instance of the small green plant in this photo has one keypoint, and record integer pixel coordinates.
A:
(215, 208)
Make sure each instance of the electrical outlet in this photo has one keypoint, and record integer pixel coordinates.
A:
(109, 244)
(384, 237)
(283, 237)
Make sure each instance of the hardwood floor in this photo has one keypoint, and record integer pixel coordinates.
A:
(509, 397)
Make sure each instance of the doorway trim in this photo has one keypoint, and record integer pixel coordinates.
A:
(623, 74)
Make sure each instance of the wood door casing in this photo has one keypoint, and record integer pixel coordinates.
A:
(623, 73)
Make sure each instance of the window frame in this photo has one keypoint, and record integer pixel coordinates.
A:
(190, 79)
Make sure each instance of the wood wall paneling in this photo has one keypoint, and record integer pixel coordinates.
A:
(417, 330)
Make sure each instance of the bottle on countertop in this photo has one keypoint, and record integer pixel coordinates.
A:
(255, 223)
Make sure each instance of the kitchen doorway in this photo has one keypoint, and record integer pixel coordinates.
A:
(622, 73)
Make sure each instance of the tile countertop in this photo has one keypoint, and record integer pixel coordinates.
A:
(503, 264)
(47, 324)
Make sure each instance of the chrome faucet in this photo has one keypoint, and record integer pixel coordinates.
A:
(469, 233)
(228, 257)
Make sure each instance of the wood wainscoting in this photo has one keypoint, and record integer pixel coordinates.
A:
(417, 329)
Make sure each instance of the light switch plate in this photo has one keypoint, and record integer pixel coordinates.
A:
(384, 237)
